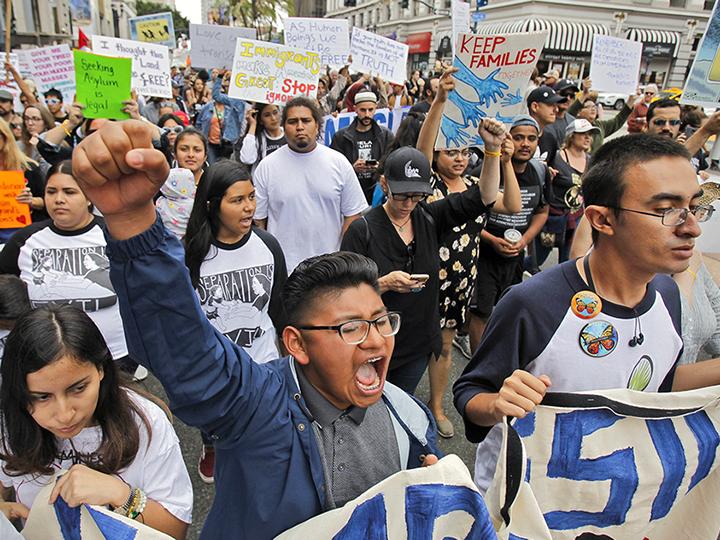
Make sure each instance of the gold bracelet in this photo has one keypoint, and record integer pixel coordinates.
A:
(66, 130)
(488, 153)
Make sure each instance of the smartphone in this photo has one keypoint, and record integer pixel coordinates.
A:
(371, 162)
(421, 278)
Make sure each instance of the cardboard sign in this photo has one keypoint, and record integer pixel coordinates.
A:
(272, 73)
(389, 118)
(612, 464)
(103, 83)
(328, 37)
(51, 67)
(615, 64)
(213, 45)
(13, 214)
(493, 75)
(702, 86)
(440, 501)
(150, 63)
(157, 28)
(460, 20)
(378, 55)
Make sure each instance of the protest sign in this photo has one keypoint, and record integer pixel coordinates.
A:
(8, 83)
(388, 118)
(460, 20)
(611, 464)
(615, 64)
(51, 67)
(327, 37)
(103, 83)
(271, 73)
(440, 501)
(702, 86)
(493, 74)
(20, 59)
(150, 63)
(157, 28)
(378, 55)
(213, 45)
(13, 214)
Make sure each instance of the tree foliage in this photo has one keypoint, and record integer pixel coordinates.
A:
(259, 14)
(145, 7)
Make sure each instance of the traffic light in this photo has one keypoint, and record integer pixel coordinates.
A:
(404, 4)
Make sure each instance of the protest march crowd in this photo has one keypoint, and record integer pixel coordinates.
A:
(290, 286)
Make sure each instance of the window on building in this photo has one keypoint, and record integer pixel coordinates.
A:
(696, 43)
(709, 5)
(678, 3)
(388, 13)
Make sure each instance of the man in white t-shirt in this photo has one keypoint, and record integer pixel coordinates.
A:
(307, 194)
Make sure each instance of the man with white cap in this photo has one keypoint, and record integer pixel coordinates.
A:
(364, 141)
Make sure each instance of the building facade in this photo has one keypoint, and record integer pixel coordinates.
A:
(40, 22)
(669, 29)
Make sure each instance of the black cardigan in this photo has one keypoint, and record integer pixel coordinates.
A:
(375, 236)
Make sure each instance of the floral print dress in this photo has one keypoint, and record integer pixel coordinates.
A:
(458, 261)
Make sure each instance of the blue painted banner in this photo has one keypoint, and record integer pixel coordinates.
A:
(619, 463)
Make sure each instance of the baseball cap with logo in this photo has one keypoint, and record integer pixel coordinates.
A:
(407, 171)
(544, 94)
(565, 84)
(580, 126)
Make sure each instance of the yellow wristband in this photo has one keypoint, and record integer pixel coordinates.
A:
(488, 153)
(66, 130)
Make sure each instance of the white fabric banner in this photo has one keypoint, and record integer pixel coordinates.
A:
(440, 501)
(618, 463)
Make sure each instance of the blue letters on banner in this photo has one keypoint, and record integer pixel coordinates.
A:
(707, 439)
(367, 521)
(672, 457)
(565, 462)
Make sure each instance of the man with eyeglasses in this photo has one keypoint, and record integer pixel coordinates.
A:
(610, 319)
(54, 103)
(638, 117)
(296, 436)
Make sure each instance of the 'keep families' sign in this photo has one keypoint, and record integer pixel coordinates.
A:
(271, 73)
(150, 63)
(103, 83)
(378, 55)
(328, 37)
(213, 45)
(615, 64)
(491, 80)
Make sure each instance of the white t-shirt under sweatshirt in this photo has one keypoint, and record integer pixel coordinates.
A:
(305, 197)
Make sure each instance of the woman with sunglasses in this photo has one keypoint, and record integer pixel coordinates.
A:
(264, 134)
(66, 406)
(170, 127)
(585, 106)
(459, 247)
(403, 236)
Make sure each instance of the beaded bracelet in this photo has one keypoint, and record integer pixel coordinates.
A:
(138, 504)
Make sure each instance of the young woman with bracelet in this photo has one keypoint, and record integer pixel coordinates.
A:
(64, 406)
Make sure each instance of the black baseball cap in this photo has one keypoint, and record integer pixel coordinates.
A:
(544, 94)
(407, 170)
(564, 84)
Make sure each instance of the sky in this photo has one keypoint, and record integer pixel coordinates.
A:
(190, 9)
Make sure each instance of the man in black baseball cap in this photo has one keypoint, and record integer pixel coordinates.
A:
(543, 107)
(564, 88)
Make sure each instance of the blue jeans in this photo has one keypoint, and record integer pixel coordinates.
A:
(408, 375)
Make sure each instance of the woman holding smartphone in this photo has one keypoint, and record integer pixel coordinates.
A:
(403, 237)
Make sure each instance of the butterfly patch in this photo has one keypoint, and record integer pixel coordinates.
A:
(586, 305)
(598, 339)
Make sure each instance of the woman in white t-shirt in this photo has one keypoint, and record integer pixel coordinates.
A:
(62, 260)
(236, 268)
(264, 133)
(64, 407)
